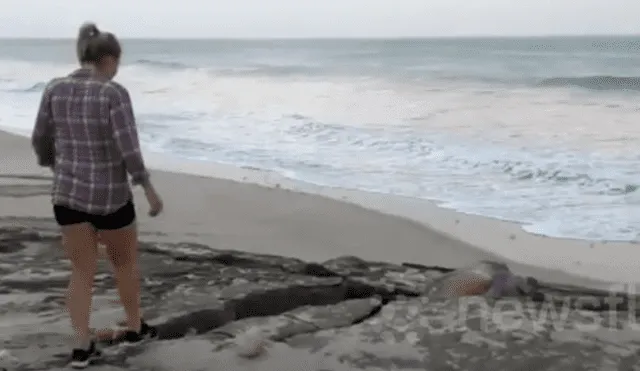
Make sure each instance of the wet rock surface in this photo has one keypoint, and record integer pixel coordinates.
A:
(342, 314)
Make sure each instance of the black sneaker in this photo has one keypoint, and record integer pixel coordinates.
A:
(82, 358)
(146, 332)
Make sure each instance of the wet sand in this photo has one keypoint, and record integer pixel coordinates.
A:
(260, 212)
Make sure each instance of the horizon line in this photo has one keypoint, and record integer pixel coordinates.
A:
(449, 37)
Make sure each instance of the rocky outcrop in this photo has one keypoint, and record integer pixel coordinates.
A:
(343, 314)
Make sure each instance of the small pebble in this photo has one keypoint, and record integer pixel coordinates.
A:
(251, 344)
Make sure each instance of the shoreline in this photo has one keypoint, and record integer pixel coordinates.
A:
(442, 236)
(511, 242)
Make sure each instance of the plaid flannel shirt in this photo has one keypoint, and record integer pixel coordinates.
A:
(85, 131)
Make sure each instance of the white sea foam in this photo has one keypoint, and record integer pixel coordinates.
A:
(561, 162)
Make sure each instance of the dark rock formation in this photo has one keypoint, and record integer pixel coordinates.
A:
(343, 314)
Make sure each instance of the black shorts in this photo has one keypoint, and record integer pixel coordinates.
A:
(123, 217)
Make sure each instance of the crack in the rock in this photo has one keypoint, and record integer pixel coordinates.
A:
(270, 303)
(422, 267)
(276, 301)
(374, 312)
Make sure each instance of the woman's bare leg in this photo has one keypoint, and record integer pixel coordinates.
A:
(80, 245)
(122, 248)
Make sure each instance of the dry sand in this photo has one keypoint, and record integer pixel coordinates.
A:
(274, 216)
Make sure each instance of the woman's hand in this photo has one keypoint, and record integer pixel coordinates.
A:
(155, 202)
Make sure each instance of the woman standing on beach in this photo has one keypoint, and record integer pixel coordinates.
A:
(85, 131)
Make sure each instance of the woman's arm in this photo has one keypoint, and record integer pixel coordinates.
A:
(42, 138)
(125, 134)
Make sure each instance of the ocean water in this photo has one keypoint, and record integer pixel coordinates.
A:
(543, 131)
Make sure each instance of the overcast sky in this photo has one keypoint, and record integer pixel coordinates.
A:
(319, 18)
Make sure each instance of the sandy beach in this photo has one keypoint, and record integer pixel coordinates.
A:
(259, 212)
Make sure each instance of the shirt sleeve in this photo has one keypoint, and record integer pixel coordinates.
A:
(125, 135)
(42, 137)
